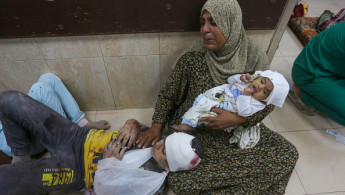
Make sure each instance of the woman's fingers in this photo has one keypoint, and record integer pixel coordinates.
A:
(142, 139)
(147, 142)
(150, 136)
(155, 140)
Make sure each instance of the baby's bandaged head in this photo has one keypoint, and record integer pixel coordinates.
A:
(183, 151)
(280, 88)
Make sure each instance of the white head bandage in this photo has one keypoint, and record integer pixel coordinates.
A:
(179, 151)
(280, 88)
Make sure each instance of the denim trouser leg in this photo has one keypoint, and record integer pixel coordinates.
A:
(50, 91)
(3, 143)
(67, 102)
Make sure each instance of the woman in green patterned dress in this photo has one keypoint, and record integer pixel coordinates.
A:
(225, 50)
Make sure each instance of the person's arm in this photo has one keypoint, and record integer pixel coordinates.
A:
(225, 119)
(169, 98)
(128, 133)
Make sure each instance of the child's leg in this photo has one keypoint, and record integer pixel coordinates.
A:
(68, 103)
(43, 93)
(46, 95)
(23, 118)
(3, 143)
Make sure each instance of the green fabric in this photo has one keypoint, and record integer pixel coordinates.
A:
(320, 71)
(238, 51)
(326, 94)
(324, 55)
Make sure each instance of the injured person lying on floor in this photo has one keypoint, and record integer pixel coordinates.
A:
(84, 158)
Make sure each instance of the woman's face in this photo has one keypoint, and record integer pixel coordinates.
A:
(213, 38)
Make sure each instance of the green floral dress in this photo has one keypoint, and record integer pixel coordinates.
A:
(225, 169)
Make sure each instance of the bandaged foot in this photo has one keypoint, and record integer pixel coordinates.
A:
(99, 125)
(183, 127)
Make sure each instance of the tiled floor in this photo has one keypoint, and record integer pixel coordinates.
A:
(321, 165)
(320, 168)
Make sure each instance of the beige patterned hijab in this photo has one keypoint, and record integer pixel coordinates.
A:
(239, 54)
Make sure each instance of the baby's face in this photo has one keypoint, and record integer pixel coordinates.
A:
(261, 88)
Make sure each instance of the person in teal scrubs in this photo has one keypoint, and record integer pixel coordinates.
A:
(319, 74)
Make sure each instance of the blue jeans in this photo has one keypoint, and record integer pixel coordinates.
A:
(50, 91)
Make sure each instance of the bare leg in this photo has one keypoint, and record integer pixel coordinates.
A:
(100, 125)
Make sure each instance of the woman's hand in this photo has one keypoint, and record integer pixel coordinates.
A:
(128, 133)
(150, 136)
(112, 149)
(223, 120)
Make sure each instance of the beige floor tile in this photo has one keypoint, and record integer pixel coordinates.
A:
(295, 186)
(290, 60)
(289, 44)
(117, 118)
(333, 123)
(90, 115)
(320, 166)
(280, 65)
(278, 53)
(334, 193)
(289, 118)
(339, 3)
